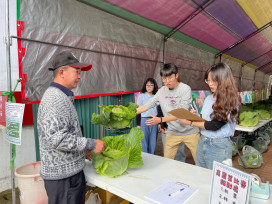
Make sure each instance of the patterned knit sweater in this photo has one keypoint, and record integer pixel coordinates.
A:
(62, 146)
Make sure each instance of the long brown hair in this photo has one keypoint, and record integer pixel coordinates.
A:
(228, 102)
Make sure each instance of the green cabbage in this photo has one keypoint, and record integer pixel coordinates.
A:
(249, 119)
(120, 153)
(114, 116)
(263, 114)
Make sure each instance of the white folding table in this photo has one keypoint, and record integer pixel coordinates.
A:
(137, 183)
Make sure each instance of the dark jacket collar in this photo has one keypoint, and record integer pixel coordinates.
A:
(65, 90)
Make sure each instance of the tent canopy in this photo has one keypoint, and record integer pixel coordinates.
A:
(215, 25)
(127, 41)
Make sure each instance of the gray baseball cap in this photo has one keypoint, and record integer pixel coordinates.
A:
(67, 58)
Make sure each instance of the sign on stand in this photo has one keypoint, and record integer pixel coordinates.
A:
(229, 185)
(14, 120)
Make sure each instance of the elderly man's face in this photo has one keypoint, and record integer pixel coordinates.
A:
(71, 77)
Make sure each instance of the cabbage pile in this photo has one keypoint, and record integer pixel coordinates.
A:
(114, 116)
(252, 113)
(121, 152)
(249, 119)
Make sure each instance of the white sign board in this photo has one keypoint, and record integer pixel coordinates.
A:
(229, 185)
(14, 120)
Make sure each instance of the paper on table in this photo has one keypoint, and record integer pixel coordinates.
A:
(161, 194)
(185, 114)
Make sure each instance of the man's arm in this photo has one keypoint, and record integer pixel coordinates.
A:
(141, 109)
(156, 120)
(56, 133)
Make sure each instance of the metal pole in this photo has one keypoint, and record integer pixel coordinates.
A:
(101, 126)
(7, 40)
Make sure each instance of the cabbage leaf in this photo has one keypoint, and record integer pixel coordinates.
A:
(114, 116)
(121, 152)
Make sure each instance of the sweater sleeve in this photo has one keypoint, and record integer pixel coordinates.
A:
(214, 125)
(58, 129)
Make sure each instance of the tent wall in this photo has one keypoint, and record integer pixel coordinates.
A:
(123, 53)
(247, 78)
(73, 23)
(192, 62)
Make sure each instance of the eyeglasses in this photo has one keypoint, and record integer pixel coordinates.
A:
(169, 78)
(151, 85)
(209, 82)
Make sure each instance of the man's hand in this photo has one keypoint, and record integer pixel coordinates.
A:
(88, 155)
(153, 121)
(161, 129)
(100, 146)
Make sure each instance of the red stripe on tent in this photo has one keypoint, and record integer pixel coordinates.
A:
(21, 54)
(106, 94)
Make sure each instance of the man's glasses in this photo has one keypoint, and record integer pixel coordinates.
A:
(169, 78)
(209, 82)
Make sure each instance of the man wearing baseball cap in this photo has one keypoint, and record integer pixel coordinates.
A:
(62, 146)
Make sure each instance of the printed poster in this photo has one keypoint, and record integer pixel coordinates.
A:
(14, 120)
(246, 97)
(198, 99)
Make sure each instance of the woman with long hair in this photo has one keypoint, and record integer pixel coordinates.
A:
(149, 141)
(221, 111)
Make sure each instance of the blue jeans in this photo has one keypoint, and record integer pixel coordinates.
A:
(149, 141)
(213, 149)
(180, 156)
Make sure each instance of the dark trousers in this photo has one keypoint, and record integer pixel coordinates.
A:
(70, 190)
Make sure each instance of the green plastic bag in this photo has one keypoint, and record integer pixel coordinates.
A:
(252, 158)
(260, 144)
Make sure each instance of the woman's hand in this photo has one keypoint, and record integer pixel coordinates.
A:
(184, 121)
(194, 111)
(138, 126)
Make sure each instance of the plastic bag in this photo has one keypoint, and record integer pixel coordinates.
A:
(92, 198)
(241, 141)
(252, 158)
(234, 150)
(260, 144)
(268, 130)
(265, 136)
